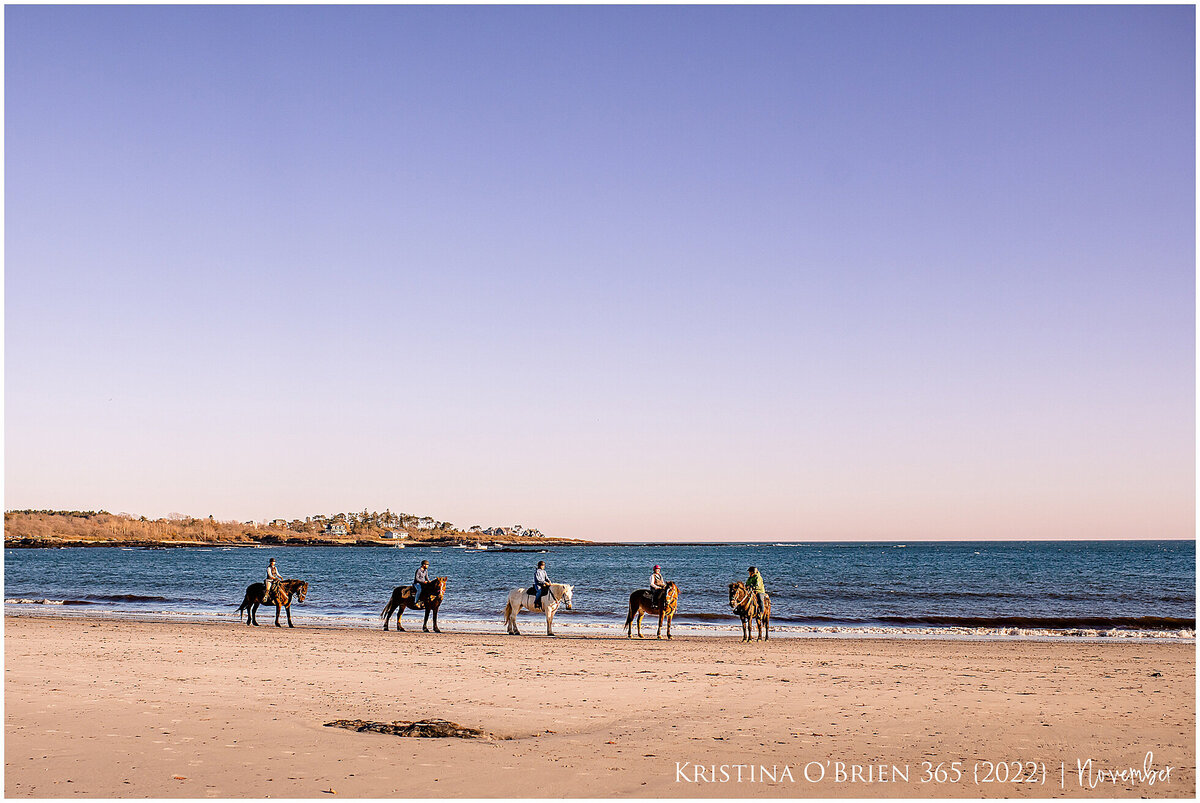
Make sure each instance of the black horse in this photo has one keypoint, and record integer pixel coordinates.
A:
(432, 595)
(281, 598)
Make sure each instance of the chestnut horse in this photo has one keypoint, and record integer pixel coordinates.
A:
(745, 604)
(432, 594)
(281, 597)
(642, 602)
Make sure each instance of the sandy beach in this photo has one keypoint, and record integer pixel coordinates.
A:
(109, 708)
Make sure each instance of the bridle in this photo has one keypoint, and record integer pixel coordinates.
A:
(550, 594)
(741, 600)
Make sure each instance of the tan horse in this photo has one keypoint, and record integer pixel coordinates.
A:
(643, 601)
(745, 604)
(432, 594)
(281, 598)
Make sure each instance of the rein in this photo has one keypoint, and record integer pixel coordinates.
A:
(549, 594)
(743, 601)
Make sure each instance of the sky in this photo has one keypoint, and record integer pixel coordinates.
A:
(616, 273)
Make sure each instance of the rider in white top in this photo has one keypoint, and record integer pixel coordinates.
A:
(657, 584)
(272, 578)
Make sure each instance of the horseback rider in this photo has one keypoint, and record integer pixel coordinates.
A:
(273, 579)
(755, 583)
(419, 581)
(658, 586)
(541, 584)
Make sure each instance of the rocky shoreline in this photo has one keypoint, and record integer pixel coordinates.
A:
(53, 543)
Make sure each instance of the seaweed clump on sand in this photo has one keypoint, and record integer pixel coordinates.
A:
(423, 729)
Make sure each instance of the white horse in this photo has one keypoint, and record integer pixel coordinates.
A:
(519, 599)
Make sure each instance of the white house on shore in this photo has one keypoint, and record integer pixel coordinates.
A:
(335, 529)
(395, 535)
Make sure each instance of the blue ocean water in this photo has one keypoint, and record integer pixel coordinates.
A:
(1140, 585)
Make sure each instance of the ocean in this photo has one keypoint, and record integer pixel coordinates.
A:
(990, 589)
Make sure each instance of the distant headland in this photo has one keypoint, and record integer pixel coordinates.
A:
(55, 528)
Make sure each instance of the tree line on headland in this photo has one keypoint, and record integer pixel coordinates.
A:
(35, 528)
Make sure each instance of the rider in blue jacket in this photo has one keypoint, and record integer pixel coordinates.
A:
(541, 583)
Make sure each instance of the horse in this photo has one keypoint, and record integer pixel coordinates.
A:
(520, 599)
(642, 602)
(745, 604)
(281, 596)
(402, 597)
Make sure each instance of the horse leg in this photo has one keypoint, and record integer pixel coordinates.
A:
(512, 611)
(399, 616)
(669, 618)
(252, 614)
(435, 625)
(288, 608)
(549, 621)
(660, 621)
(425, 624)
(278, 608)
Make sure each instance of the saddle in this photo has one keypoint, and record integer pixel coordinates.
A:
(532, 591)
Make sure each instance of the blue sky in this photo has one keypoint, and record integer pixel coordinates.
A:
(613, 272)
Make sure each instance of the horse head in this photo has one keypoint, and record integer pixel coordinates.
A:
(566, 598)
(736, 590)
(301, 591)
(439, 586)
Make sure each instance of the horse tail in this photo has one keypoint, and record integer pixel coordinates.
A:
(245, 606)
(388, 609)
(632, 611)
(507, 610)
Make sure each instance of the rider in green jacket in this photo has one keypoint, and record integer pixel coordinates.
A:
(755, 583)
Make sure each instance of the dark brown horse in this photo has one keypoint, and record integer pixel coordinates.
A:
(644, 601)
(745, 604)
(432, 594)
(281, 597)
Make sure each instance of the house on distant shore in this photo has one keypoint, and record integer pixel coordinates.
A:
(395, 535)
(425, 523)
(335, 529)
(279, 523)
